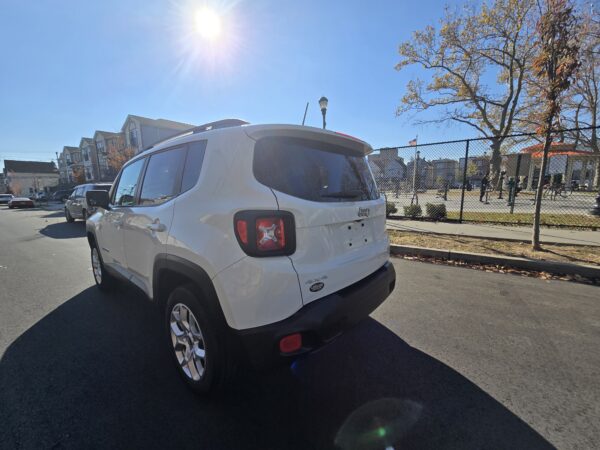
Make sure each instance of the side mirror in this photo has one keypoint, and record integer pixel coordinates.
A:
(97, 199)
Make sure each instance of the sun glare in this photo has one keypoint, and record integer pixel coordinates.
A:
(208, 23)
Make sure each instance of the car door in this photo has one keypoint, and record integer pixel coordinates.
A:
(147, 224)
(110, 226)
(72, 203)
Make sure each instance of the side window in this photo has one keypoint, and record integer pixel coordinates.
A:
(193, 164)
(128, 181)
(161, 181)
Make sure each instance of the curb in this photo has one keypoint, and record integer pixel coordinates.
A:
(554, 267)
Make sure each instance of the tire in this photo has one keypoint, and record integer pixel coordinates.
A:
(68, 216)
(11, 207)
(104, 280)
(204, 344)
(84, 215)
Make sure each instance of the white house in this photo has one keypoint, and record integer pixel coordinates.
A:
(27, 177)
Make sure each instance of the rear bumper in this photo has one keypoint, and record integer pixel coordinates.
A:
(321, 321)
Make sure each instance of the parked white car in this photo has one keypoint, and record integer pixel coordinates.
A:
(76, 206)
(264, 238)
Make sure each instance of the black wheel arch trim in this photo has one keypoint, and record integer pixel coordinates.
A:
(191, 271)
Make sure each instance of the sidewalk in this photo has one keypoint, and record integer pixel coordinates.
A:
(515, 233)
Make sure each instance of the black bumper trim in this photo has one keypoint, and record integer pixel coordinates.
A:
(321, 320)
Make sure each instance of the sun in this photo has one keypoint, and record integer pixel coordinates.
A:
(208, 23)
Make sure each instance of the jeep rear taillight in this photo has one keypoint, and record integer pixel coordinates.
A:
(265, 233)
(270, 234)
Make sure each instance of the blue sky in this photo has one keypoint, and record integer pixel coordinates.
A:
(72, 67)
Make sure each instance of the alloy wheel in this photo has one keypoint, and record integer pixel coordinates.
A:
(188, 342)
(96, 266)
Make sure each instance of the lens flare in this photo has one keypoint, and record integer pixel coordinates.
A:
(208, 23)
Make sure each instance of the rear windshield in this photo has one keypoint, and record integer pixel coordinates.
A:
(313, 170)
(101, 187)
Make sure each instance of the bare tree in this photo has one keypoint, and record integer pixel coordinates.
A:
(554, 66)
(583, 101)
(469, 49)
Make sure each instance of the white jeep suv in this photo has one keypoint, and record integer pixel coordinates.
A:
(268, 239)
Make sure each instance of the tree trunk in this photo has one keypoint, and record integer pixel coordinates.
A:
(597, 173)
(535, 240)
(495, 161)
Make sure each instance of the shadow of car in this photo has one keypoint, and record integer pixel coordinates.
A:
(63, 230)
(95, 373)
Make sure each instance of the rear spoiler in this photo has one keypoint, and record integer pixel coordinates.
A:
(257, 132)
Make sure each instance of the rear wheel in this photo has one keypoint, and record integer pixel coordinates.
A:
(103, 279)
(198, 342)
(84, 215)
(68, 216)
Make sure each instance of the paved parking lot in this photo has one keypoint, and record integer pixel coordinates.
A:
(456, 358)
(576, 203)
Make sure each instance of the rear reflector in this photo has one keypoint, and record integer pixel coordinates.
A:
(291, 343)
(241, 226)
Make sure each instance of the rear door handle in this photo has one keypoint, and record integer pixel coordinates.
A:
(156, 226)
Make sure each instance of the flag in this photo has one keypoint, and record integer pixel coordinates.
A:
(413, 142)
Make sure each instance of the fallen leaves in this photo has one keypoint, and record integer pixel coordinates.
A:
(498, 268)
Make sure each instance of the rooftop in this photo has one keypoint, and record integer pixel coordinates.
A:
(29, 166)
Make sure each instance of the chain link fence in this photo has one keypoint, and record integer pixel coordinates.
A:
(464, 181)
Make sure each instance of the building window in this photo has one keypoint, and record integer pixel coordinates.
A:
(100, 146)
(86, 156)
(133, 137)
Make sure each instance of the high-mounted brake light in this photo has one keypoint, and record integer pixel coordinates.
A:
(348, 136)
(265, 233)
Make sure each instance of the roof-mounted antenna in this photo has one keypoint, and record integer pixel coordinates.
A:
(304, 118)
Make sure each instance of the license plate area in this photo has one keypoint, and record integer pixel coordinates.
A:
(356, 234)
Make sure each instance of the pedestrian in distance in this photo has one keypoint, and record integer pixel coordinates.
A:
(484, 184)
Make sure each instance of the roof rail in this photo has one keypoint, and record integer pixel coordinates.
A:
(225, 123)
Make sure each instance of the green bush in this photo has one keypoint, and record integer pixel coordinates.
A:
(413, 211)
(436, 211)
(390, 208)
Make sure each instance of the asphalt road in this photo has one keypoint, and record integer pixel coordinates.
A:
(455, 358)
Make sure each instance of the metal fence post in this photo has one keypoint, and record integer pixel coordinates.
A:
(464, 183)
(516, 187)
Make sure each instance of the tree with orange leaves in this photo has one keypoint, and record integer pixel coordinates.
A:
(554, 67)
(116, 156)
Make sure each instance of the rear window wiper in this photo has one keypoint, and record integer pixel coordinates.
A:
(345, 194)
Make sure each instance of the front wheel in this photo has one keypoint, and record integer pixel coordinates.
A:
(198, 342)
(68, 216)
(103, 279)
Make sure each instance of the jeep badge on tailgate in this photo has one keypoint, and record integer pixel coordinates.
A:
(363, 212)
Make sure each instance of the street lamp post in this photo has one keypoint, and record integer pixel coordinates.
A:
(415, 197)
(323, 105)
